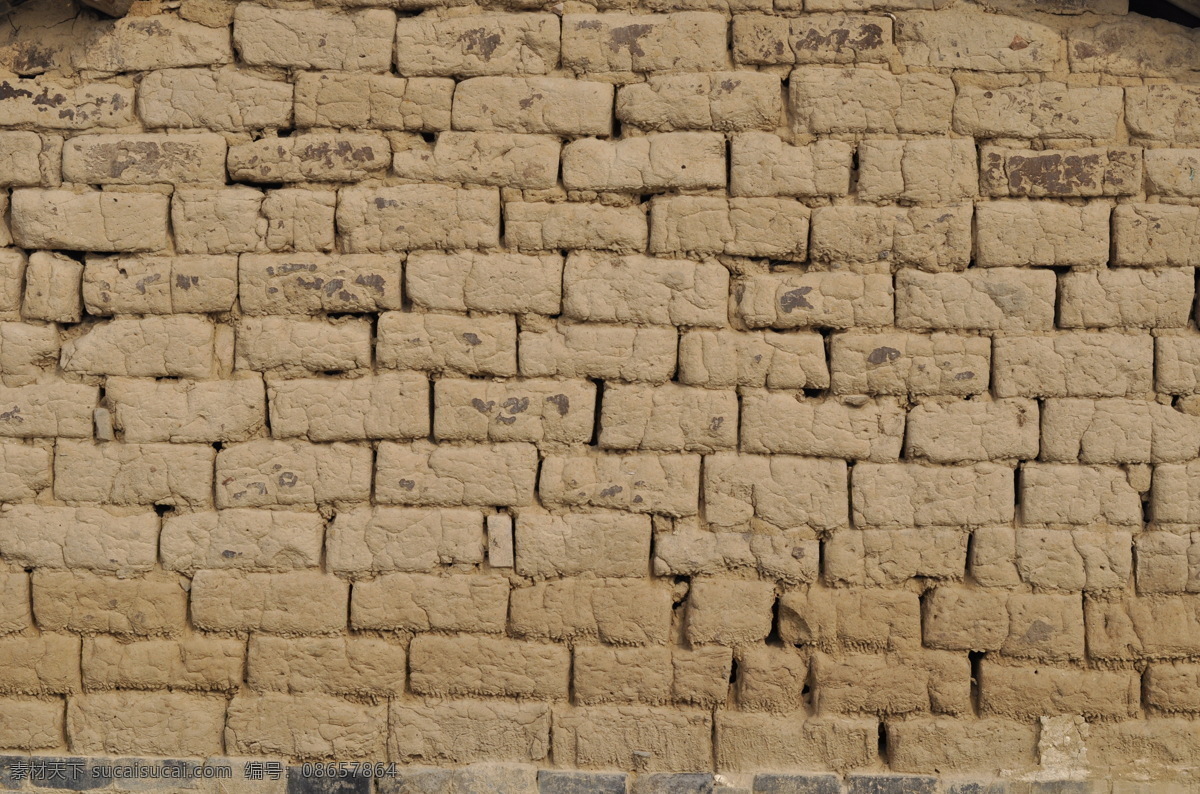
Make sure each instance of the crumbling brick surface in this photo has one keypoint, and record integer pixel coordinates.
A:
(791, 388)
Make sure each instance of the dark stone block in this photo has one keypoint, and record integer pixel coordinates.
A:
(975, 787)
(670, 783)
(297, 783)
(475, 779)
(64, 773)
(797, 784)
(555, 782)
(892, 784)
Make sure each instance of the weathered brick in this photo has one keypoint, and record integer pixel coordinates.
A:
(940, 40)
(51, 409)
(442, 666)
(537, 410)
(334, 665)
(1060, 173)
(670, 417)
(255, 540)
(469, 281)
(1163, 112)
(158, 41)
(604, 544)
(1053, 559)
(997, 299)
(759, 227)
(306, 725)
(543, 226)
(166, 723)
(12, 277)
(933, 171)
(1041, 233)
(217, 100)
(314, 38)
(187, 411)
(1033, 692)
(27, 351)
(21, 160)
(197, 663)
(89, 538)
(300, 219)
(910, 494)
(452, 731)
(159, 284)
(729, 611)
(312, 156)
(948, 743)
(48, 664)
(1098, 48)
(1125, 298)
(724, 359)
(375, 101)
(1169, 172)
(86, 603)
(15, 610)
(685, 41)
(1155, 235)
(218, 220)
(52, 105)
(890, 557)
(52, 288)
(915, 364)
(25, 470)
(418, 216)
(762, 164)
(811, 38)
(317, 283)
(1074, 364)
(673, 739)
(603, 675)
(502, 159)
(1137, 628)
(886, 103)
(790, 556)
(403, 539)
(421, 473)
(828, 300)
(874, 239)
(765, 493)
(133, 474)
(296, 602)
(573, 350)
(771, 679)
(422, 602)
(1161, 743)
(1173, 495)
(1066, 494)
(876, 684)
(90, 220)
(857, 620)
(657, 162)
(144, 159)
(480, 345)
(278, 473)
(1172, 687)
(959, 431)
(546, 105)
(753, 741)
(1036, 110)
(483, 44)
(726, 101)
(31, 723)
(393, 405)
(644, 290)
(1177, 364)
(636, 482)
(301, 344)
(1115, 431)
(782, 422)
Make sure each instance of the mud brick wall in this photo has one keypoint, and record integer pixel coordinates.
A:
(670, 386)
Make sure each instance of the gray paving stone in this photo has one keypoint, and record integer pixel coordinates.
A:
(558, 782)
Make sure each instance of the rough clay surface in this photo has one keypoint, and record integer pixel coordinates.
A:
(724, 387)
